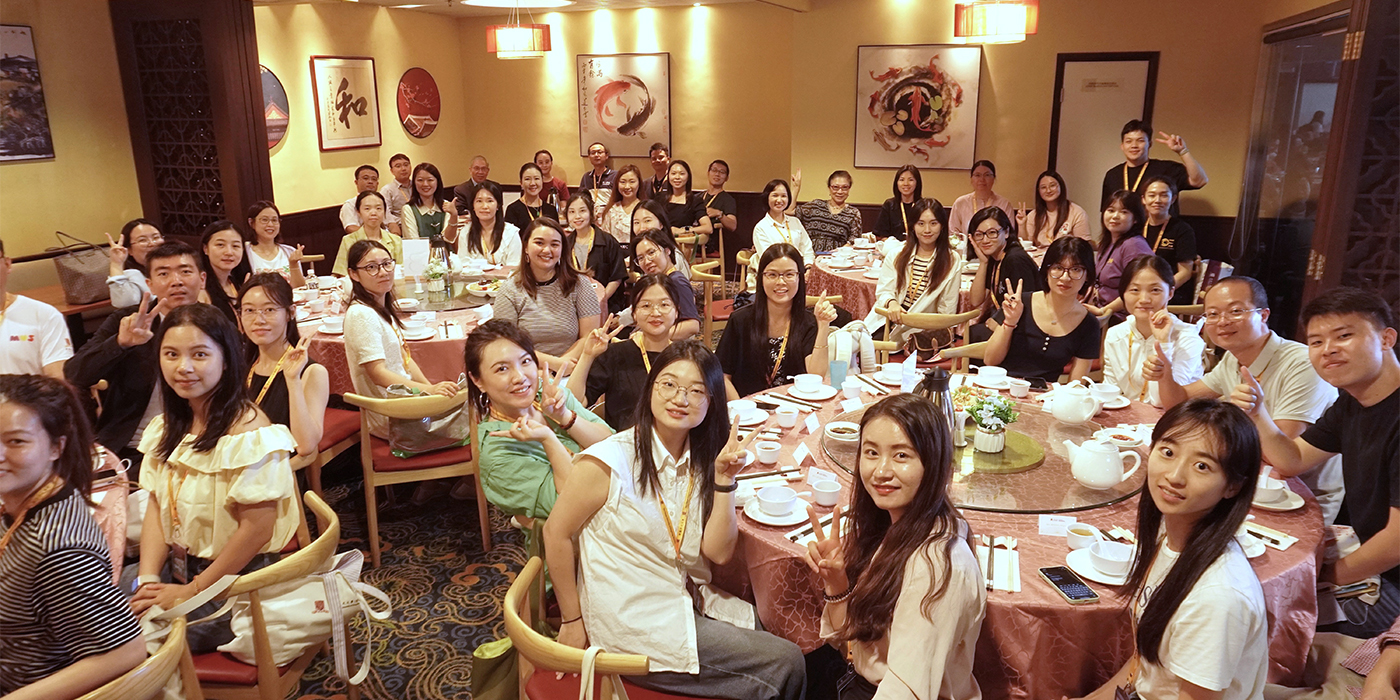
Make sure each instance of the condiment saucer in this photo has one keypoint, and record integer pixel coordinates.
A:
(798, 514)
(1291, 501)
(823, 393)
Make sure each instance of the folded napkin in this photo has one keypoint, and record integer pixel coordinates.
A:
(1271, 537)
(1007, 560)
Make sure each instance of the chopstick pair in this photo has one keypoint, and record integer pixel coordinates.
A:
(806, 530)
(760, 475)
(800, 402)
(873, 385)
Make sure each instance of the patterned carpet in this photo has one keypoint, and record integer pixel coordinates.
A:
(447, 593)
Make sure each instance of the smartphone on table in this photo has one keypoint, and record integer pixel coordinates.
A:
(1071, 587)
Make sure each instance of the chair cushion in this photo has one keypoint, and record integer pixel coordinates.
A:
(223, 669)
(385, 461)
(721, 309)
(339, 424)
(543, 686)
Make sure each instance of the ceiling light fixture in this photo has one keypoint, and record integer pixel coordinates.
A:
(995, 21)
(515, 40)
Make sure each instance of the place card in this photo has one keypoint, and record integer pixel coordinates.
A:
(1055, 525)
(910, 375)
(415, 256)
(816, 474)
(801, 454)
(851, 405)
(814, 425)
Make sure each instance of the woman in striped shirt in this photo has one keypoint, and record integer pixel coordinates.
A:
(924, 277)
(65, 629)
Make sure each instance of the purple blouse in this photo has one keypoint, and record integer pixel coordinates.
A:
(1110, 264)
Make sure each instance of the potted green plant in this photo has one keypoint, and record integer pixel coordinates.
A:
(991, 414)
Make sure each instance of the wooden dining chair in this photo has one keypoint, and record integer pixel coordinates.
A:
(223, 677)
(833, 298)
(687, 246)
(541, 657)
(963, 353)
(742, 260)
(1191, 310)
(717, 311)
(149, 679)
(382, 468)
(932, 322)
(883, 348)
(340, 430)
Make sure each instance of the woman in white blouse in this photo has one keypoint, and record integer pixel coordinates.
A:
(651, 507)
(490, 238)
(1129, 348)
(616, 216)
(901, 584)
(924, 277)
(374, 345)
(265, 254)
(126, 271)
(778, 227)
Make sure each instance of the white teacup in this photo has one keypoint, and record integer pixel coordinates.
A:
(1112, 558)
(1020, 388)
(768, 451)
(414, 326)
(316, 305)
(334, 325)
(1081, 535)
(1104, 392)
(741, 409)
(892, 370)
(787, 416)
(991, 374)
(328, 281)
(1269, 489)
(826, 492)
(303, 295)
(776, 500)
(851, 388)
(807, 383)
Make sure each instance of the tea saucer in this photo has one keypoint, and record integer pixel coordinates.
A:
(1252, 546)
(1290, 501)
(871, 274)
(886, 379)
(758, 416)
(426, 334)
(1082, 563)
(323, 328)
(852, 437)
(989, 383)
(1117, 402)
(1108, 435)
(822, 393)
(798, 514)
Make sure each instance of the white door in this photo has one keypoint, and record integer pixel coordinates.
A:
(1096, 99)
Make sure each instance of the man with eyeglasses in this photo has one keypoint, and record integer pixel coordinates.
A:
(719, 205)
(1236, 320)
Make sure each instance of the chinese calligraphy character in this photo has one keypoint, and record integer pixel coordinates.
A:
(347, 103)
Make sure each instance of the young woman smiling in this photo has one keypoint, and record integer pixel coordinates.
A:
(650, 508)
(490, 238)
(896, 214)
(1054, 215)
(1122, 240)
(285, 383)
(618, 370)
(371, 208)
(684, 209)
(777, 227)
(429, 212)
(924, 277)
(983, 177)
(617, 213)
(776, 337)
(903, 587)
(555, 191)
(1001, 261)
(654, 253)
(530, 206)
(651, 215)
(530, 428)
(1130, 348)
(599, 257)
(67, 629)
(265, 254)
(222, 497)
(1198, 609)
(375, 348)
(126, 267)
(221, 252)
(831, 223)
(1038, 334)
(546, 297)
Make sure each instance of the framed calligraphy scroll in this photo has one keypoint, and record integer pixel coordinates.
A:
(624, 102)
(347, 102)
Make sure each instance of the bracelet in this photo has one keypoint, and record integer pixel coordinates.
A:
(570, 622)
(147, 578)
(1012, 326)
(837, 598)
(731, 488)
(818, 347)
(572, 420)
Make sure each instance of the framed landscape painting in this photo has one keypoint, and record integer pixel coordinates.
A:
(347, 102)
(24, 128)
(624, 102)
(917, 105)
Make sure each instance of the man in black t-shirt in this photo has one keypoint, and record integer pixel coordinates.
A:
(661, 166)
(1137, 168)
(719, 205)
(1351, 343)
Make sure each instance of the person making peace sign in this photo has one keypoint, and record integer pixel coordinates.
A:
(1058, 328)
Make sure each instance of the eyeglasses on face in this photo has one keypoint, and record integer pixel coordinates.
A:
(376, 268)
(1233, 315)
(248, 313)
(784, 276)
(669, 390)
(664, 307)
(267, 219)
(986, 235)
(839, 188)
(1075, 273)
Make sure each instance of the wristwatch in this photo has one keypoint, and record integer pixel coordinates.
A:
(731, 488)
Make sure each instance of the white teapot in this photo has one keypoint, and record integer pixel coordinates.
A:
(1072, 404)
(1098, 465)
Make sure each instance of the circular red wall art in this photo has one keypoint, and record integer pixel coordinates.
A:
(420, 105)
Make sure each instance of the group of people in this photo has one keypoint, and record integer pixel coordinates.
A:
(600, 412)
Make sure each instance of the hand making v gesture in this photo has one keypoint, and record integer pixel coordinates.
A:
(135, 329)
(731, 459)
(826, 556)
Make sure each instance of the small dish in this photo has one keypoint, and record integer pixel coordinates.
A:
(821, 394)
(425, 334)
(1290, 501)
(886, 379)
(843, 431)
(331, 330)
(1079, 562)
(1253, 546)
(798, 514)
(871, 274)
(989, 383)
(1117, 402)
(757, 416)
(1119, 437)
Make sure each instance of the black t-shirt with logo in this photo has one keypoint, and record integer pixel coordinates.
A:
(1177, 246)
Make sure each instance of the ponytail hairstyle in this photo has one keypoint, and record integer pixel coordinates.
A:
(358, 293)
(474, 237)
(228, 401)
(876, 550)
(706, 439)
(943, 251)
(1236, 444)
(564, 271)
(482, 336)
(56, 405)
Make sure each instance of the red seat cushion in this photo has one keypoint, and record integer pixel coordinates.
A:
(543, 686)
(223, 669)
(385, 461)
(721, 309)
(339, 424)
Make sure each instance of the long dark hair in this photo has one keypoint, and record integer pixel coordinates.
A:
(918, 183)
(474, 243)
(658, 210)
(877, 550)
(439, 196)
(661, 239)
(799, 316)
(485, 334)
(706, 439)
(1131, 201)
(616, 196)
(130, 226)
(279, 291)
(257, 208)
(227, 403)
(217, 296)
(1013, 240)
(1042, 208)
(55, 404)
(587, 200)
(564, 272)
(358, 293)
(1236, 443)
(942, 255)
(689, 181)
(1070, 248)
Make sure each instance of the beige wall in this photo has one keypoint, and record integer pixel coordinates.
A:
(90, 185)
(304, 177)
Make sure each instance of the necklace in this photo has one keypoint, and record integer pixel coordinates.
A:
(41, 494)
(267, 384)
(1139, 177)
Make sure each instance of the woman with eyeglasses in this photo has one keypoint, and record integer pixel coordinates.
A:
(984, 177)
(547, 297)
(265, 254)
(650, 509)
(221, 253)
(1129, 348)
(617, 212)
(897, 213)
(777, 337)
(284, 381)
(531, 205)
(490, 239)
(651, 214)
(529, 428)
(372, 210)
(831, 223)
(654, 253)
(1038, 333)
(598, 256)
(1122, 240)
(1000, 259)
(617, 370)
(924, 277)
(375, 348)
(1054, 215)
(126, 256)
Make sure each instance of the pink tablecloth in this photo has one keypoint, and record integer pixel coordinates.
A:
(857, 292)
(441, 359)
(1034, 644)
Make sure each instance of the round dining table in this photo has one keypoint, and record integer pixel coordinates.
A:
(1033, 643)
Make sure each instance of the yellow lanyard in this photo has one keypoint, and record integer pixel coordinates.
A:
(1160, 233)
(267, 384)
(903, 214)
(1142, 395)
(782, 350)
(685, 516)
(637, 338)
(787, 236)
(403, 349)
(173, 492)
(503, 417)
(712, 199)
(55, 483)
(531, 211)
(1139, 177)
(996, 269)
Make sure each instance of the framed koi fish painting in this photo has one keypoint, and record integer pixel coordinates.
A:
(624, 102)
(917, 105)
